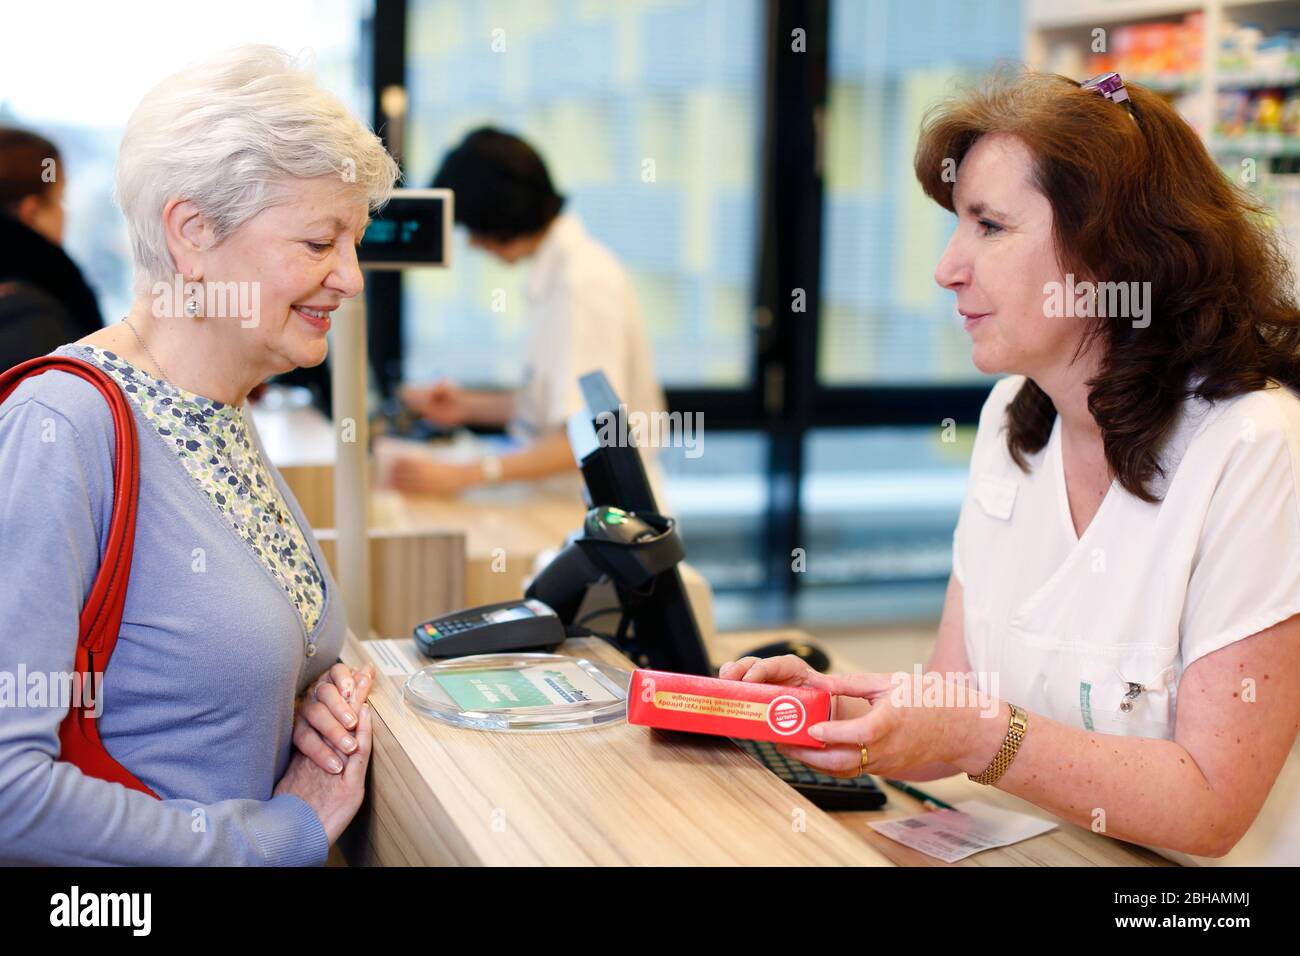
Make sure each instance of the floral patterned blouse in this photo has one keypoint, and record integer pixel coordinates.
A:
(212, 442)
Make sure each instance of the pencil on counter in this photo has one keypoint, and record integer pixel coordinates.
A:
(927, 801)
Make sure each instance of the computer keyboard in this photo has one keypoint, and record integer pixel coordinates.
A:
(825, 791)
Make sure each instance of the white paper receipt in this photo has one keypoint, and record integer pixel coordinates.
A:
(396, 657)
(952, 835)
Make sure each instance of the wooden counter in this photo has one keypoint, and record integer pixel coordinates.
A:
(615, 795)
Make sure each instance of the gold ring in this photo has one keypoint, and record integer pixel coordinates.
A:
(862, 767)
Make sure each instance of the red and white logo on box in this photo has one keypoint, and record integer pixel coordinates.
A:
(786, 715)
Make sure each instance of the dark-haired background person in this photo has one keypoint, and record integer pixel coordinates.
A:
(44, 300)
(582, 315)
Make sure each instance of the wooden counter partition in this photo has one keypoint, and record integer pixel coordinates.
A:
(615, 795)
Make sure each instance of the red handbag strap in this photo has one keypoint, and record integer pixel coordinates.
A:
(101, 616)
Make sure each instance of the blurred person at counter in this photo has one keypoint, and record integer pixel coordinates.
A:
(45, 301)
(582, 316)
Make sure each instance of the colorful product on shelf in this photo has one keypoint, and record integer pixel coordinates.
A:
(1249, 56)
(1163, 55)
(1263, 121)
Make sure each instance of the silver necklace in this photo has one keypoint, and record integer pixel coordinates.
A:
(148, 351)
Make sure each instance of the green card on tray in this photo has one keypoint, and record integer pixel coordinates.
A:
(546, 685)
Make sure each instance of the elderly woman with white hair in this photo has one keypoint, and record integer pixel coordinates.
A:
(246, 188)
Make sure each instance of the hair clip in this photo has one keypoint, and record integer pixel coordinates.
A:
(1109, 85)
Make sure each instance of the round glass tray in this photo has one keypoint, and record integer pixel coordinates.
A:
(531, 693)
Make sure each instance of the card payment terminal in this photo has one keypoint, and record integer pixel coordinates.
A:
(527, 625)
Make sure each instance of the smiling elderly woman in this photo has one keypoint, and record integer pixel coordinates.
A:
(244, 177)
(1126, 565)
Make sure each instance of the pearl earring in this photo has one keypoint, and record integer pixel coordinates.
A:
(192, 305)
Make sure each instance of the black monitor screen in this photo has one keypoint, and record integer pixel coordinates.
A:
(665, 634)
(413, 229)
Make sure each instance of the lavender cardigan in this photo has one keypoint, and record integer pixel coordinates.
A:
(198, 697)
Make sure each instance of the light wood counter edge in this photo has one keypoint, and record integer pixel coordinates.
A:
(407, 820)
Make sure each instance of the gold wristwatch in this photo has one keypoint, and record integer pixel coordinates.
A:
(1002, 760)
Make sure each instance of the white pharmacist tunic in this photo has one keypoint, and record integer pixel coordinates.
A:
(1096, 631)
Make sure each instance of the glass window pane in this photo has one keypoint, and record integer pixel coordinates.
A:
(883, 319)
(650, 117)
(878, 508)
(720, 498)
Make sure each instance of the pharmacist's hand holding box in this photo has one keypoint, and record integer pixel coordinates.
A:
(744, 709)
(904, 725)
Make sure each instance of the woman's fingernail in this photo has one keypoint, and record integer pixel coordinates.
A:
(350, 719)
(349, 744)
(336, 765)
(816, 732)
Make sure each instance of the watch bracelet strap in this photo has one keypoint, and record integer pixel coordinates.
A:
(490, 467)
(1016, 729)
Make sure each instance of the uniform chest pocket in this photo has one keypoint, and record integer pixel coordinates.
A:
(1124, 689)
(1128, 694)
(996, 496)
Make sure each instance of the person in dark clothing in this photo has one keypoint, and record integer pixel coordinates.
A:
(44, 299)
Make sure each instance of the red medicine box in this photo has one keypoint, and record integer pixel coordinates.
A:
(728, 708)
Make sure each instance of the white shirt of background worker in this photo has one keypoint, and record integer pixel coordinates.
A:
(581, 310)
